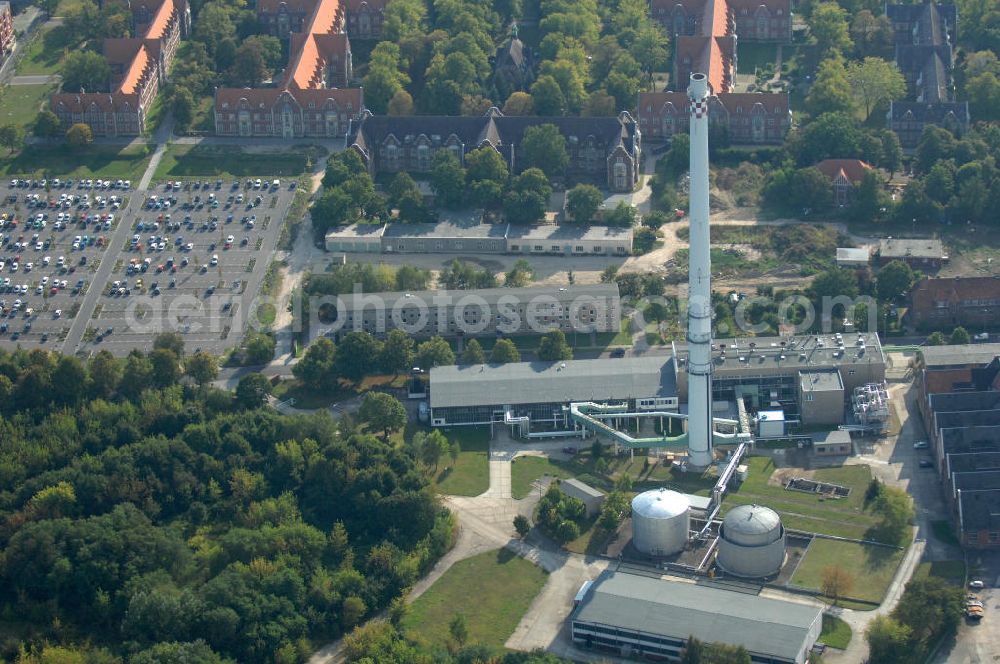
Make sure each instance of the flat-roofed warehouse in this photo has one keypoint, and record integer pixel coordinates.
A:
(570, 240)
(491, 393)
(634, 615)
(581, 308)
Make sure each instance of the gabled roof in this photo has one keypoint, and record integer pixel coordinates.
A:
(309, 52)
(349, 99)
(852, 169)
(956, 289)
(733, 102)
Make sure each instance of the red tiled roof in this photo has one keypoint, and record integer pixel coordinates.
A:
(956, 289)
(157, 28)
(308, 59)
(853, 169)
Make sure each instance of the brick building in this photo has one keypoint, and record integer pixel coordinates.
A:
(844, 175)
(362, 19)
(705, 36)
(603, 149)
(749, 117)
(312, 99)
(946, 303)
(920, 254)
(365, 18)
(924, 37)
(138, 66)
(753, 20)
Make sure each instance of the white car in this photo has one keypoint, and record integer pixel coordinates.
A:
(28, 266)
(977, 585)
(57, 313)
(214, 261)
(46, 260)
(920, 445)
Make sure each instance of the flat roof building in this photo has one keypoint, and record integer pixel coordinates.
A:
(491, 393)
(591, 498)
(917, 253)
(567, 240)
(482, 312)
(851, 257)
(638, 615)
(356, 238)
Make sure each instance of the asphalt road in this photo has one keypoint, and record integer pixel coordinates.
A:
(116, 241)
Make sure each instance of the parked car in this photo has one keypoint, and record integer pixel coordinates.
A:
(925, 463)
(920, 445)
(977, 584)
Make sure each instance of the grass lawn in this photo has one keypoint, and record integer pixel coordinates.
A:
(802, 511)
(307, 398)
(624, 336)
(871, 567)
(45, 53)
(19, 104)
(952, 571)
(754, 55)
(91, 162)
(492, 590)
(836, 633)
(526, 469)
(470, 474)
(227, 162)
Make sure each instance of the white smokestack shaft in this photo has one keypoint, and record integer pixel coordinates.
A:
(699, 335)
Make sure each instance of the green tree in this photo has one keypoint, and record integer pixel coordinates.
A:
(528, 197)
(431, 447)
(931, 608)
(894, 280)
(889, 641)
(567, 531)
(202, 367)
(400, 104)
(136, 374)
(547, 97)
(522, 526)
(582, 202)
(553, 347)
(520, 103)
(447, 178)
(895, 509)
(936, 339)
(458, 629)
(829, 30)
(959, 337)
(434, 352)
(486, 174)
(183, 107)
(252, 391)
(47, 124)
(79, 135)
(875, 81)
(171, 341)
(258, 349)
(357, 355)
(11, 137)
(397, 352)
(870, 33)
(835, 282)
(85, 70)
(832, 91)
(166, 367)
(836, 582)
(649, 48)
(382, 412)
(317, 369)
(504, 351)
(473, 353)
(105, 372)
(519, 275)
(544, 147)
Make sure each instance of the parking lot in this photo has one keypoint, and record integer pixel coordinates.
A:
(53, 235)
(184, 256)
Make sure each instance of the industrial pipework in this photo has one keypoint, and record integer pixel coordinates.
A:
(699, 332)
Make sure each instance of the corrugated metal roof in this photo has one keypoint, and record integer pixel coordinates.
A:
(679, 609)
(552, 382)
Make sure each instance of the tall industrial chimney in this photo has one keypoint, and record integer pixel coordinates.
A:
(699, 334)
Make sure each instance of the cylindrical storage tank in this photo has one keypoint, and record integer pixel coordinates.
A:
(661, 521)
(751, 542)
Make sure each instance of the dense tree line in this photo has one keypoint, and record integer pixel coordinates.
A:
(163, 521)
(929, 610)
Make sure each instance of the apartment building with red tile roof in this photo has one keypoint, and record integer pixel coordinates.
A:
(7, 37)
(287, 113)
(138, 65)
(760, 20)
(312, 99)
(942, 304)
